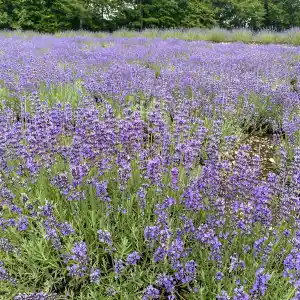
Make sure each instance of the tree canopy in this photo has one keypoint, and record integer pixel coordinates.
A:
(109, 15)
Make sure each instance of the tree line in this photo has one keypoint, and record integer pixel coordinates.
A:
(110, 15)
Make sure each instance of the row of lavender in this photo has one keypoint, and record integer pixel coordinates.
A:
(115, 178)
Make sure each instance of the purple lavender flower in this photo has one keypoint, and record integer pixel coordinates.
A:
(174, 177)
(176, 249)
(105, 237)
(236, 263)
(166, 281)
(78, 173)
(258, 245)
(219, 276)
(133, 258)
(261, 283)
(6, 246)
(141, 193)
(167, 203)
(101, 190)
(79, 256)
(79, 251)
(267, 251)
(160, 254)
(151, 293)
(47, 209)
(77, 270)
(240, 294)
(95, 275)
(4, 276)
(297, 295)
(247, 248)
(22, 224)
(61, 181)
(190, 269)
(16, 209)
(124, 168)
(66, 228)
(223, 296)
(111, 292)
(154, 171)
(151, 233)
(187, 274)
(36, 296)
(119, 267)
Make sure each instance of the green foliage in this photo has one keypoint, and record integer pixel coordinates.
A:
(110, 15)
(239, 13)
(282, 14)
(199, 14)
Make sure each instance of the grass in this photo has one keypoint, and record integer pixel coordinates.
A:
(217, 35)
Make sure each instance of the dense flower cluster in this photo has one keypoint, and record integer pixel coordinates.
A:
(35, 296)
(125, 169)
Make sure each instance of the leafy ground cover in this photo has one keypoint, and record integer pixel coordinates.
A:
(136, 168)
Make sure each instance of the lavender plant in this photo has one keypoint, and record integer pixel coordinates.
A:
(126, 173)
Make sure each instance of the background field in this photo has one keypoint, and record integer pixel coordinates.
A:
(216, 35)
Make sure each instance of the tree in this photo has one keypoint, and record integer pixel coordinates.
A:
(43, 15)
(239, 13)
(155, 13)
(4, 16)
(199, 14)
(26, 14)
(281, 14)
(160, 13)
(57, 15)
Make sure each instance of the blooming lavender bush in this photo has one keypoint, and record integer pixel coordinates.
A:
(126, 171)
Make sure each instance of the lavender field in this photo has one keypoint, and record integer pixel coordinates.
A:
(135, 168)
